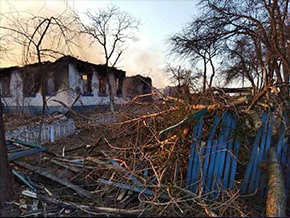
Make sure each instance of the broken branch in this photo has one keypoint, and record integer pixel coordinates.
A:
(70, 110)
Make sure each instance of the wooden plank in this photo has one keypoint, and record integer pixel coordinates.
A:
(19, 154)
(191, 160)
(28, 144)
(206, 174)
(234, 164)
(268, 137)
(17, 149)
(237, 90)
(74, 206)
(197, 157)
(209, 145)
(216, 177)
(282, 146)
(201, 176)
(246, 180)
(193, 166)
(285, 158)
(255, 175)
(211, 168)
(255, 158)
(229, 154)
(23, 179)
(220, 160)
(285, 151)
(260, 176)
(279, 148)
(11, 147)
(47, 174)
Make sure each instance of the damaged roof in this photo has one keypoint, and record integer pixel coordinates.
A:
(82, 66)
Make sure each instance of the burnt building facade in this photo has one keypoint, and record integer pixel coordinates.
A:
(76, 83)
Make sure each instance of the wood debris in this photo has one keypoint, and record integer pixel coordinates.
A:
(126, 168)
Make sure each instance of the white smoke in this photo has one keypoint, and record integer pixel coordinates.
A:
(135, 60)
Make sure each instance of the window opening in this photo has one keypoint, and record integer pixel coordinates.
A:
(5, 85)
(50, 84)
(87, 83)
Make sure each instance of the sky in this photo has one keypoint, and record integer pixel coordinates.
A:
(159, 19)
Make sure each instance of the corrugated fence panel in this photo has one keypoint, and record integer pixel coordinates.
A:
(209, 154)
(212, 164)
(194, 160)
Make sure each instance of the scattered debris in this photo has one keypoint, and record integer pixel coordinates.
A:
(133, 167)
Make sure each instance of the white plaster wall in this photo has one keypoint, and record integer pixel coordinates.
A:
(75, 81)
(73, 77)
(16, 83)
(16, 99)
(67, 95)
(33, 101)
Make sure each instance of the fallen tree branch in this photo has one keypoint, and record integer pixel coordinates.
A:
(70, 110)
(147, 116)
(261, 94)
(189, 118)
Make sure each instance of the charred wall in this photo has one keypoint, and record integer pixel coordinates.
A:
(136, 85)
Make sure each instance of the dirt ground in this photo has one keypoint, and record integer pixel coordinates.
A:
(132, 142)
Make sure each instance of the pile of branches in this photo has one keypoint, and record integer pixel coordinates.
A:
(138, 165)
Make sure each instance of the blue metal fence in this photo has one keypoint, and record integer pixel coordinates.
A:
(213, 162)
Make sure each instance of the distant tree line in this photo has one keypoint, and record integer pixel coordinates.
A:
(240, 41)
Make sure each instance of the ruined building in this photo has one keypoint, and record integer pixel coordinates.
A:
(75, 83)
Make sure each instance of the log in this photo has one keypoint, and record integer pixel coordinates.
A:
(276, 198)
(254, 119)
(261, 94)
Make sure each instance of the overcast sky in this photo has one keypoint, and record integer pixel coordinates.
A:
(159, 20)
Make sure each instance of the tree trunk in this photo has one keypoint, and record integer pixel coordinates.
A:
(204, 75)
(7, 179)
(276, 199)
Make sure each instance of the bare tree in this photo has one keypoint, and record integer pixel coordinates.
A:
(7, 180)
(111, 28)
(245, 63)
(196, 43)
(182, 76)
(264, 24)
(35, 35)
(42, 38)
